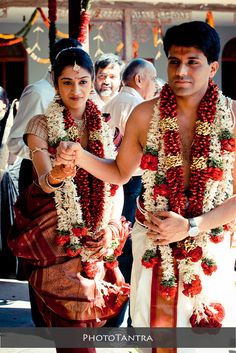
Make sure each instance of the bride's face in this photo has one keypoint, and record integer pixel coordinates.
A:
(74, 87)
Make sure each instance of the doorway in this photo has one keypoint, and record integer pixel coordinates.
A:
(229, 69)
(13, 70)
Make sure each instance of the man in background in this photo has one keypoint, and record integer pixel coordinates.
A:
(107, 78)
(139, 83)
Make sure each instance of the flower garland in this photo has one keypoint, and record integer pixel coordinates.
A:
(84, 23)
(83, 203)
(210, 184)
(84, 20)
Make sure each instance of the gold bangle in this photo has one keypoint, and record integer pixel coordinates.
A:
(54, 178)
(37, 149)
(55, 187)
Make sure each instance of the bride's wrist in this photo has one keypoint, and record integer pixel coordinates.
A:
(45, 184)
(54, 180)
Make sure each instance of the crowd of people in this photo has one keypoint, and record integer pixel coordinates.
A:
(87, 130)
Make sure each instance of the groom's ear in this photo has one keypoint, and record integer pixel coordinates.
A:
(214, 68)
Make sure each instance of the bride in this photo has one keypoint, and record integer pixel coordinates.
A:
(68, 223)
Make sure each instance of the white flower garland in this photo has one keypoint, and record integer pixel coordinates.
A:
(215, 193)
(67, 202)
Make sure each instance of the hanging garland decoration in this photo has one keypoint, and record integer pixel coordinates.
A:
(155, 36)
(25, 30)
(12, 39)
(210, 19)
(31, 52)
(119, 47)
(157, 40)
(36, 57)
(11, 42)
(52, 16)
(7, 36)
(99, 39)
(47, 24)
(135, 45)
(84, 20)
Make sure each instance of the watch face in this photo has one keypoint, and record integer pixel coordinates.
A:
(193, 231)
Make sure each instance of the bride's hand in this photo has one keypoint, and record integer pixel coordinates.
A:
(67, 153)
(61, 172)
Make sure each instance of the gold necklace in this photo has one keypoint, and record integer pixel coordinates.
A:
(76, 131)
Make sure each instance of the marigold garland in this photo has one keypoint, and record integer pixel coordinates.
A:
(83, 29)
(11, 42)
(12, 39)
(210, 167)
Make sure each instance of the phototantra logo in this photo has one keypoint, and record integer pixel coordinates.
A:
(117, 338)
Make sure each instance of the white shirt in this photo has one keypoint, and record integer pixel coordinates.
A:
(120, 108)
(94, 96)
(34, 100)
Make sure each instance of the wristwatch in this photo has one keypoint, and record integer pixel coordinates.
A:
(193, 228)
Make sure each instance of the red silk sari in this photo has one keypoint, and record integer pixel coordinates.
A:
(62, 290)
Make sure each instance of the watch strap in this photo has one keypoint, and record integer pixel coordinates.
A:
(192, 222)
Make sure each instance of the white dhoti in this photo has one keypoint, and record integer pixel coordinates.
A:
(220, 287)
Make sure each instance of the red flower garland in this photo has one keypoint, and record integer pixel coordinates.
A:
(217, 235)
(170, 185)
(168, 292)
(149, 161)
(227, 142)
(150, 263)
(209, 266)
(175, 176)
(83, 29)
(193, 288)
(208, 318)
(90, 268)
(88, 186)
(90, 189)
(195, 254)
